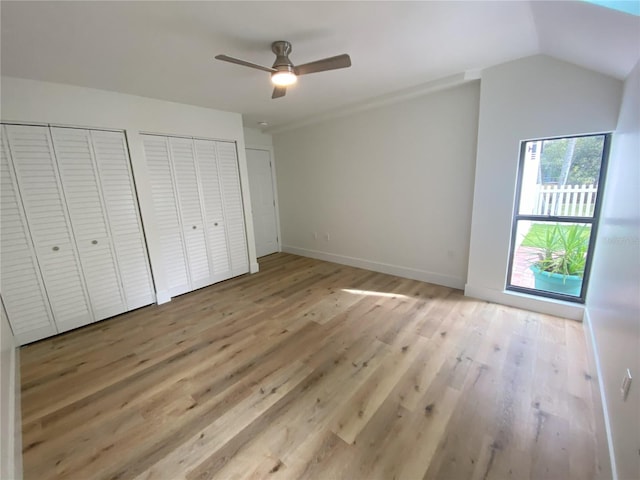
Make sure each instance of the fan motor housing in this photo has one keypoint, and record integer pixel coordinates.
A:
(282, 49)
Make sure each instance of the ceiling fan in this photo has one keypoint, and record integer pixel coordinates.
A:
(284, 72)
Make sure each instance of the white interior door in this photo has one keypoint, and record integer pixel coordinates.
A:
(263, 203)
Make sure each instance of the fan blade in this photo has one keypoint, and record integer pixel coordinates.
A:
(279, 92)
(226, 58)
(331, 63)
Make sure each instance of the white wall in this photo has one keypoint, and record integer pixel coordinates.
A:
(33, 101)
(525, 99)
(254, 138)
(613, 303)
(10, 424)
(391, 187)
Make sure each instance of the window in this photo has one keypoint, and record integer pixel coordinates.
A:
(558, 193)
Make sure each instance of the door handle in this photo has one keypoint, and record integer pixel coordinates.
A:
(55, 249)
(94, 242)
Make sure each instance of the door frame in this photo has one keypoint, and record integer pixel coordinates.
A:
(274, 185)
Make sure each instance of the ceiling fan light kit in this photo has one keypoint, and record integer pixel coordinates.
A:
(283, 72)
(283, 79)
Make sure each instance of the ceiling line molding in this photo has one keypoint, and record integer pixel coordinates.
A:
(380, 101)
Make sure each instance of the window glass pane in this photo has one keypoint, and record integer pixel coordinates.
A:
(560, 176)
(550, 256)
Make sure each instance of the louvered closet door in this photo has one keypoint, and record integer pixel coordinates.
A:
(88, 219)
(167, 213)
(233, 208)
(33, 160)
(186, 180)
(119, 197)
(20, 281)
(207, 162)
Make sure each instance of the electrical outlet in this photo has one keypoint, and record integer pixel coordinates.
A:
(326, 237)
(626, 384)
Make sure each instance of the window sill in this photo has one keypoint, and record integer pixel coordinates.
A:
(549, 306)
(556, 305)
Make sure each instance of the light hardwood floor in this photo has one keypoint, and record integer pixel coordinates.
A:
(312, 370)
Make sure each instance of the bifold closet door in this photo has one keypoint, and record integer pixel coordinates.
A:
(189, 201)
(76, 164)
(48, 222)
(73, 248)
(98, 187)
(125, 226)
(22, 289)
(167, 213)
(198, 202)
(207, 160)
(233, 207)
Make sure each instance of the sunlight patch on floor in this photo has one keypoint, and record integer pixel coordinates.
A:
(371, 293)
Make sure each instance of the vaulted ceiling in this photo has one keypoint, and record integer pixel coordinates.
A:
(165, 50)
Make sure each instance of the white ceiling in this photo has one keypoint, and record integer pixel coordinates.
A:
(165, 50)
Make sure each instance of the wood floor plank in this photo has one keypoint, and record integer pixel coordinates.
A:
(309, 369)
(460, 450)
(189, 455)
(421, 441)
(357, 410)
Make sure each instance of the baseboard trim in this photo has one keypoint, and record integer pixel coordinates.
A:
(594, 362)
(405, 272)
(13, 401)
(11, 421)
(17, 409)
(254, 268)
(548, 306)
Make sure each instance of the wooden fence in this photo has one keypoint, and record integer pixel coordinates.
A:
(566, 200)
